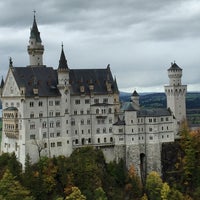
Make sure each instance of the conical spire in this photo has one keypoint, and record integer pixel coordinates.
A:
(2, 83)
(62, 62)
(34, 31)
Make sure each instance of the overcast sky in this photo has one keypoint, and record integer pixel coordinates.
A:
(138, 38)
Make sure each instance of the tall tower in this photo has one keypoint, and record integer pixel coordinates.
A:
(176, 92)
(35, 47)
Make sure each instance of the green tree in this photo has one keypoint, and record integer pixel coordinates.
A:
(75, 195)
(154, 186)
(99, 194)
(165, 191)
(11, 189)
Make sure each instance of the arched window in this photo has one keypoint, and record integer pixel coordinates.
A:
(44, 125)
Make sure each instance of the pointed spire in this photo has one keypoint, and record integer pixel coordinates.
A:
(62, 62)
(2, 82)
(34, 30)
(10, 62)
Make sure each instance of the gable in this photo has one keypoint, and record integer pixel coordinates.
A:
(10, 88)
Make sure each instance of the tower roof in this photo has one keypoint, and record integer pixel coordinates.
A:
(34, 31)
(62, 62)
(2, 83)
(135, 94)
(174, 66)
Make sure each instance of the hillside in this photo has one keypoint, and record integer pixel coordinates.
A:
(158, 100)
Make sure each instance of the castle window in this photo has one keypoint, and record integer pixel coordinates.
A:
(87, 101)
(31, 104)
(167, 136)
(154, 119)
(96, 100)
(66, 121)
(150, 129)
(105, 100)
(66, 111)
(88, 121)
(104, 130)
(40, 115)
(32, 137)
(67, 141)
(132, 130)
(132, 121)
(162, 128)
(110, 121)
(50, 103)
(82, 131)
(57, 102)
(82, 112)
(58, 124)
(161, 119)
(104, 139)
(53, 144)
(88, 112)
(97, 111)
(110, 110)
(59, 144)
(51, 124)
(98, 130)
(82, 121)
(57, 114)
(44, 125)
(77, 101)
(76, 132)
(111, 139)
(32, 115)
(120, 130)
(50, 113)
(76, 141)
(89, 140)
(40, 103)
(132, 139)
(88, 131)
(44, 135)
(45, 145)
(75, 112)
(121, 139)
(32, 126)
(150, 120)
(110, 130)
(98, 140)
(51, 134)
(167, 119)
(72, 122)
(151, 137)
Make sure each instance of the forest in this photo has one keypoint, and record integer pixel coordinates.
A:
(86, 175)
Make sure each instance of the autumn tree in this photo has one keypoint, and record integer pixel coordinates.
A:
(11, 189)
(75, 195)
(154, 186)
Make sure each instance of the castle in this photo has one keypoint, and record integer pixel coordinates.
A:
(51, 112)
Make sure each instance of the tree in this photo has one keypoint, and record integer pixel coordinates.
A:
(10, 189)
(154, 186)
(75, 195)
(133, 187)
(99, 194)
(165, 191)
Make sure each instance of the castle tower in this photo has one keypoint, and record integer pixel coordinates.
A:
(135, 100)
(176, 92)
(63, 70)
(35, 47)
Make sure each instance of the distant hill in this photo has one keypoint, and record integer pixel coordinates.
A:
(158, 100)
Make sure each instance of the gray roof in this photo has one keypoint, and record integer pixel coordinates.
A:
(158, 112)
(128, 106)
(135, 94)
(40, 77)
(95, 77)
(174, 66)
(34, 31)
(45, 79)
(11, 108)
(62, 62)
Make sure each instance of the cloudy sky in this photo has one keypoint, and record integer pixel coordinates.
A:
(138, 38)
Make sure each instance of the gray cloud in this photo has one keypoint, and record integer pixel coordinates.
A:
(139, 38)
